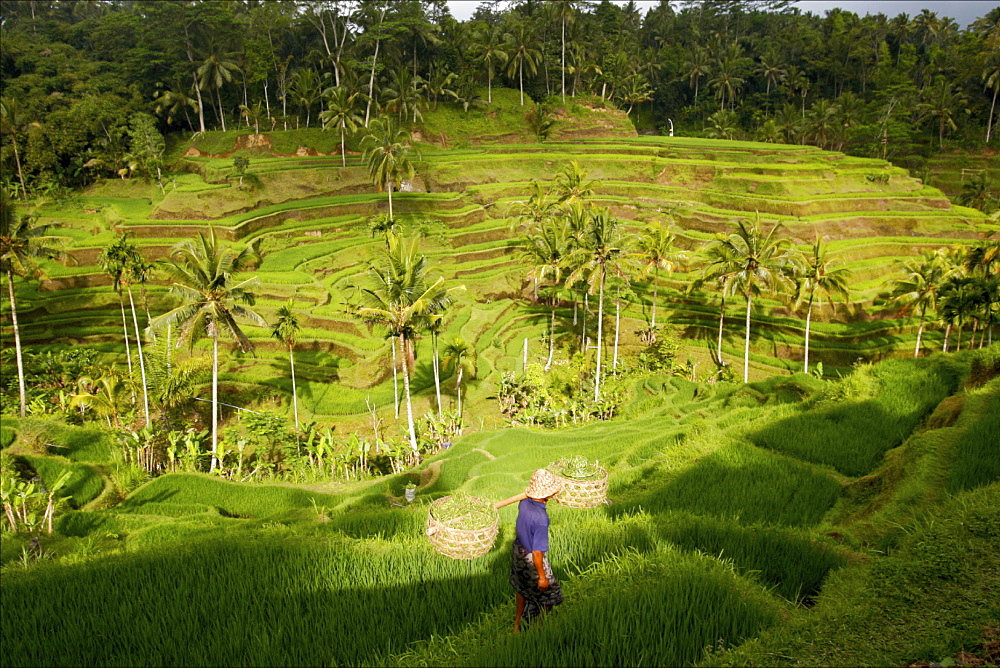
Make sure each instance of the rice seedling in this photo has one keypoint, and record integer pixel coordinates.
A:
(577, 468)
(662, 608)
(858, 419)
(464, 512)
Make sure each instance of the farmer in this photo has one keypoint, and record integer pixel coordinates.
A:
(530, 574)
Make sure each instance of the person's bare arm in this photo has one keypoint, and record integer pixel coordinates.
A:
(543, 580)
(507, 502)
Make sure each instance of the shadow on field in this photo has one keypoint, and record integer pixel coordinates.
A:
(851, 437)
(260, 601)
(745, 484)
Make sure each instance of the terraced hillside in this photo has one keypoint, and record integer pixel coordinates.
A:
(308, 213)
(787, 522)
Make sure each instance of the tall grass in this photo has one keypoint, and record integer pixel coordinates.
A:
(859, 418)
(242, 500)
(976, 454)
(786, 559)
(83, 484)
(660, 609)
(742, 483)
(261, 600)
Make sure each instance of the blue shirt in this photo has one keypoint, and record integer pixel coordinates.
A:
(533, 525)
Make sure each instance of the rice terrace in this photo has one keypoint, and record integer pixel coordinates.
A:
(300, 298)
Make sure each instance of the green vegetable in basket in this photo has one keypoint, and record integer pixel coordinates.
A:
(577, 468)
(464, 512)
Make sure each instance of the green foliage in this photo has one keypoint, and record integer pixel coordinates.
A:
(975, 462)
(461, 511)
(577, 468)
(856, 420)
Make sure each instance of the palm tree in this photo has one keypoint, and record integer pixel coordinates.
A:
(977, 193)
(13, 121)
(386, 150)
(919, 287)
(821, 121)
(455, 353)
(173, 103)
(697, 66)
(305, 89)
(400, 300)
(340, 114)
(547, 248)
(655, 250)
(982, 260)
(636, 90)
(727, 81)
(531, 214)
(202, 275)
(724, 125)
(991, 81)
(790, 122)
(760, 263)
(402, 95)
(819, 276)
(286, 330)
(112, 261)
(21, 243)
(107, 398)
(215, 72)
(599, 255)
(565, 12)
(124, 263)
(960, 300)
(525, 53)
(571, 184)
(718, 265)
(770, 68)
(941, 104)
(490, 52)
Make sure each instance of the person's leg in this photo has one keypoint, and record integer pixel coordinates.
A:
(518, 613)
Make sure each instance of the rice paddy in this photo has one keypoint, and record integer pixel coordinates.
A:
(742, 520)
(712, 547)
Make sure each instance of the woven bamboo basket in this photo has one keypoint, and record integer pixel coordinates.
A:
(583, 493)
(460, 543)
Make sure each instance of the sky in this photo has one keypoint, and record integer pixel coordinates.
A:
(963, 11)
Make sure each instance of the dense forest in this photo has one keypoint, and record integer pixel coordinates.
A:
(87, 84)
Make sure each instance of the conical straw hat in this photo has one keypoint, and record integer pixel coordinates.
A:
(543, 485)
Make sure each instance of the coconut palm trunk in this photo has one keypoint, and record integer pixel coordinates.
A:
(600, 331)
(395, 379)
(458, 389)
(746, 348)
(21, 390)
(656, 285)
(128, 347)
(920, 333)
(809, 312)
(947, 335)
(437, 372)
(343, 147)
(409, 402)
(618, 313)
(388, 187)
(20, 172)
(142, 363)
(722, 317)
(215, 397)
(295, 398)
(552, 335)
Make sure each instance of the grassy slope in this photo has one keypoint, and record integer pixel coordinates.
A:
(307, 212)
(709, 537)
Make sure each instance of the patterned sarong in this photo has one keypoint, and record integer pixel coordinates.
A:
(524, 580)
